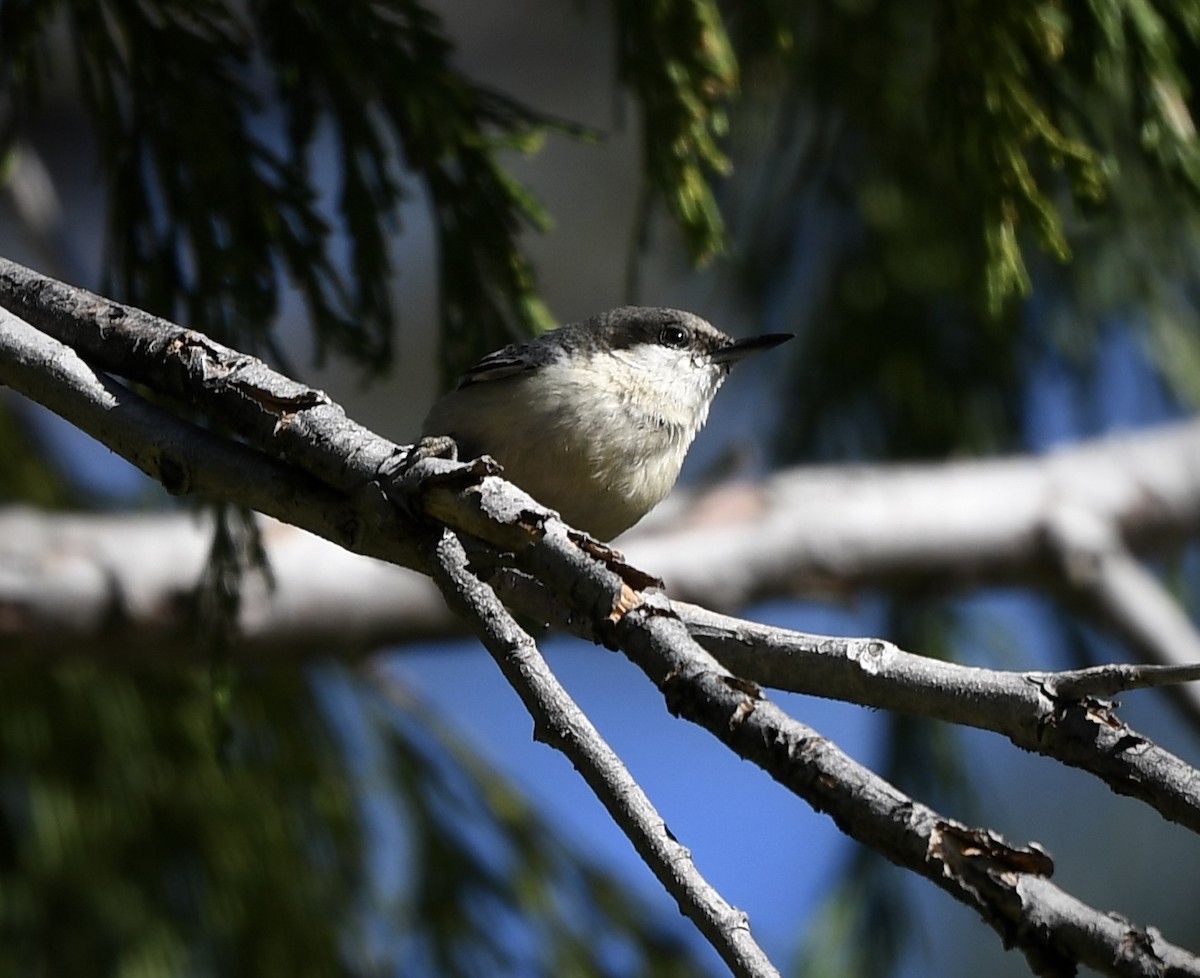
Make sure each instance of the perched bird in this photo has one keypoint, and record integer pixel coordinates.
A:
(594, 419)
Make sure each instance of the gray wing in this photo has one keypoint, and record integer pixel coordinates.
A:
(511, 360)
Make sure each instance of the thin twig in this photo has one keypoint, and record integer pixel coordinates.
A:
(561, 723)
(1099, 568)
(1112, 678)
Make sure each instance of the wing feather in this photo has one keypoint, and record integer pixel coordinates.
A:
(503, 363)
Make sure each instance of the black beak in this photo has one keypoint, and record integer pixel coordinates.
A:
(740, 349)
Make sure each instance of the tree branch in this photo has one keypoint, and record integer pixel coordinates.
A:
(957, 858)
(1052, 714)
(186, 459)
(1006, 885)
(181, 456)
(283, 418)
(122, 585)
(602, 596)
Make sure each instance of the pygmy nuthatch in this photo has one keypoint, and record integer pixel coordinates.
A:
(594, 419)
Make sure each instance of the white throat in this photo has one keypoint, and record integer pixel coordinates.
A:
(671, 386)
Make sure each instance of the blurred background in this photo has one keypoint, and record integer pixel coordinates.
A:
(981, 224)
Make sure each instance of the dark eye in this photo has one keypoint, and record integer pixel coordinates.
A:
(673, 336)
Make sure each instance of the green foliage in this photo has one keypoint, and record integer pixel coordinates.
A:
(385, 73)
(675, 56)
(1005, 131)
(235, 557)
(955, 133)
(207, 116)
(129, 849)
(131, 846)
(898, 181)
(1007, 98)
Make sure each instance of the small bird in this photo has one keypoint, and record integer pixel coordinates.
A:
(594, 419)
